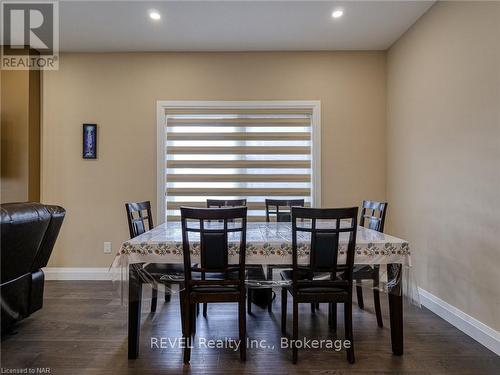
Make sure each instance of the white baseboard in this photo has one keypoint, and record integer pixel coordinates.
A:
(83, 273)
(472, 327)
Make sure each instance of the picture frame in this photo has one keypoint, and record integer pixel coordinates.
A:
(89, 141)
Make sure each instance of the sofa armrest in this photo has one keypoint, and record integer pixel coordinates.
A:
(23, 227)
(42, 257)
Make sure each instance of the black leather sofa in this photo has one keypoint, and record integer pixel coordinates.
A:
(28, 234)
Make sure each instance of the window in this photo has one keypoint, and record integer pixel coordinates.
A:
(216, 152)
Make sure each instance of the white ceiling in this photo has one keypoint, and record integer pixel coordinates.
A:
(115, 26)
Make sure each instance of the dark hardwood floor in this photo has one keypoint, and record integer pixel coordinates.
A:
(82, 329)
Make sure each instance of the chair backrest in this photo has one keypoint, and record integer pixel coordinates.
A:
(216, 230)
(137, 214)
(373, 215)
(219, 203)
(273, 208)
(325, 226)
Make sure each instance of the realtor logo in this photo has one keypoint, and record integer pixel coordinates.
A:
(30, 35)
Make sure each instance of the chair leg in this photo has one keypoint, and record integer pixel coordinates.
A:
(270, 301)
(376, 296)
(348, 331)
(168, 288)
(359, 294)
(205, 308)
(269, 276)
(187, 326)
(154, 297)
(332, 316)
(378, 310)
(197, 309)
(317, 305)
(183, 313)
(249, 301)
(295, 333)
(313, 308)
(284, 294)
(243, 329)
(192, 308)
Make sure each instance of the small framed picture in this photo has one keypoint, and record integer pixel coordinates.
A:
(89, 150)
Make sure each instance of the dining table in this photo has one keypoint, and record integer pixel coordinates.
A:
(268, 243)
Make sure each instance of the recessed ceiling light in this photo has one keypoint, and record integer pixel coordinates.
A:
(154, 15)
(337, 13)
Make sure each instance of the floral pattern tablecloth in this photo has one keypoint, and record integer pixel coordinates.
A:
(267, 243)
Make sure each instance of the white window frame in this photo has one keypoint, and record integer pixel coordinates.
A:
(162, 107)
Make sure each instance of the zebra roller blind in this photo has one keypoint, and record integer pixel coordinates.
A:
(237, 153)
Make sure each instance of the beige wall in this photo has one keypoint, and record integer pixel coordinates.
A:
(119, 91)
(20, 135)
(443, 162)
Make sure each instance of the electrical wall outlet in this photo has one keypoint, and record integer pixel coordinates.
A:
(107, 247)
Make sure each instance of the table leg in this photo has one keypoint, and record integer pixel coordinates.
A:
(134, 311)
(269, 277)
(396, 307)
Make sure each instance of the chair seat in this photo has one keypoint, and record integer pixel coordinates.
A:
(178, 269)
(255, 272)
(220, 289)
(232, 275)
(321, 289)
(305, 274)
(356, 268)
(157, 270)
(362, 272)
(162, 268)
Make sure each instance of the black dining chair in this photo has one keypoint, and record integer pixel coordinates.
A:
(280, 211)
(372, 217)
(281, 208)
(138, 213)
(213, 238)
(220, 203)
(323, 258)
